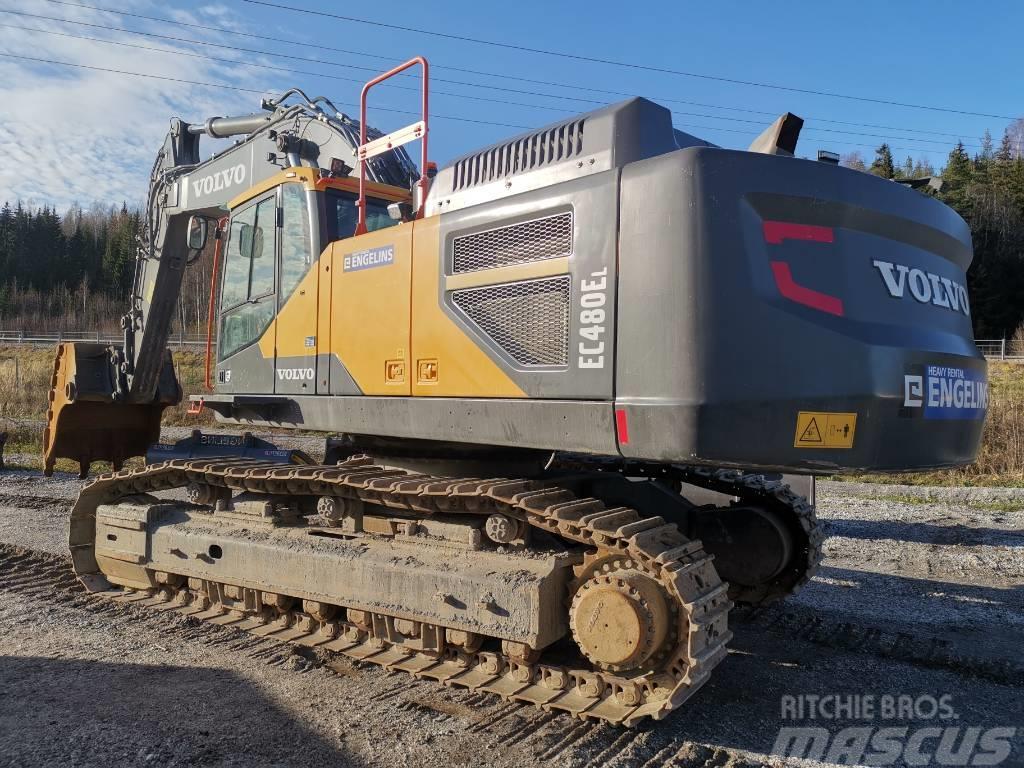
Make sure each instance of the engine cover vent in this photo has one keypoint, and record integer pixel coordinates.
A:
(546, 238)
(535, 150)
(529, 320)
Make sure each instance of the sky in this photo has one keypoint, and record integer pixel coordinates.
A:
(76, 135)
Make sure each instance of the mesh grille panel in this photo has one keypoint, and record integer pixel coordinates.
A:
(528, 320)
(546, 238)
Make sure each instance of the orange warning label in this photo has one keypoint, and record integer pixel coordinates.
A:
(824, 430)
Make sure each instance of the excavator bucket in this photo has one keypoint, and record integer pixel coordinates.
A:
(85, 423)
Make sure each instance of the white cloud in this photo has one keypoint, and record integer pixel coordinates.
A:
(79, 135)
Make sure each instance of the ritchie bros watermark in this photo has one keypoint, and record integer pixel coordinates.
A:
(886, 729)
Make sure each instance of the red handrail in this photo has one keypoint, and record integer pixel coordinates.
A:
(424, 182)
(220, 232)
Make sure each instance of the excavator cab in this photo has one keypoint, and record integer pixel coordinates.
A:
(273, 313)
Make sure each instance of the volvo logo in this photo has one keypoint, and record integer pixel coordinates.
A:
(296, 374)
(924, 287)
(219, 181)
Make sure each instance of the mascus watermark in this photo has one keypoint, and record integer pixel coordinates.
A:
(888, 728)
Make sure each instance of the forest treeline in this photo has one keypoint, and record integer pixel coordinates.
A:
(74, 271)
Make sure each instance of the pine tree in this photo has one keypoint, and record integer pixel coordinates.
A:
(6, 240)
(957, 177)
(883, 164)
(986, 145)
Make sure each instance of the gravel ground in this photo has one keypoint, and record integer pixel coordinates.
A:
(922, 595)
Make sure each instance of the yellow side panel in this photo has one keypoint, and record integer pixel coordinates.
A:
(370, 308)
(445, 362)
(295, 320)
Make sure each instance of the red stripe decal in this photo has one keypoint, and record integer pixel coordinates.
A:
(803, 295)
(621, 427)
(777, 231)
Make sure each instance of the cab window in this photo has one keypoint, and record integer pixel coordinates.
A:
(296, 239)
(342, 215)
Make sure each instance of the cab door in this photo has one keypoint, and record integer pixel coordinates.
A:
(245, 359)
(297, 341)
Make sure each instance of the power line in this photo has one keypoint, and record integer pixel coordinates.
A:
(239, 88)
(619, 63)
(832, 130)
(751, 133)
(235, 62)
(224, 86)
(482, 73)
(292, 57)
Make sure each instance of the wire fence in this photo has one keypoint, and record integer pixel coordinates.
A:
(993, 349)
(97, 337)
(999, 349)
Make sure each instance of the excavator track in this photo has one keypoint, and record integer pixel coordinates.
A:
(620, 543)
(747, 488)
(776, 495)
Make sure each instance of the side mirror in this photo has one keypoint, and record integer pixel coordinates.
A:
(198, 230)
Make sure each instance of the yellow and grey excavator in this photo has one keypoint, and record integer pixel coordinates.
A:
(562, 377)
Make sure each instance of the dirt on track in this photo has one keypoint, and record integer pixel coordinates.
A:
(921, 594)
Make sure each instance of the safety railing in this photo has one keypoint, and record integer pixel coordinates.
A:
(417, 131)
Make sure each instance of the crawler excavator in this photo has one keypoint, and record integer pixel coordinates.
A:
(562, 378)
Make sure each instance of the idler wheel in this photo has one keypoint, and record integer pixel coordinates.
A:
(751, 546)
(620, 619)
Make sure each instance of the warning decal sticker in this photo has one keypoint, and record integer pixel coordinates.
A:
(824, 430)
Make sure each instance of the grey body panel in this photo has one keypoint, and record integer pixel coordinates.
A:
(341, 381)
(722, 378)
(245, 372)
(565, 425)
(595, 142)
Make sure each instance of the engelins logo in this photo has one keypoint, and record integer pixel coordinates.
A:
(374, 257)
(218, 181)
(925, 287)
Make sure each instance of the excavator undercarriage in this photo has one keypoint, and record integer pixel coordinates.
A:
(518, 587)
